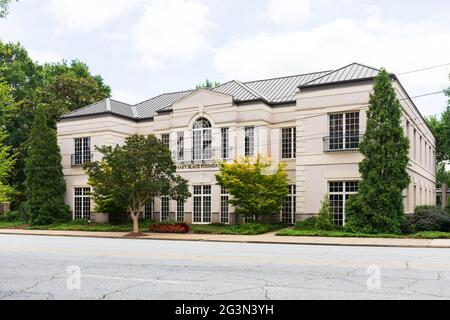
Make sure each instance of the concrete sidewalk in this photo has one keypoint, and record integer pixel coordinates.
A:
(269, 238)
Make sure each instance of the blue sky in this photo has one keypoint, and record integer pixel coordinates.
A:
(146, 47)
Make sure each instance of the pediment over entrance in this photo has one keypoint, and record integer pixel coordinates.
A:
(202, 98)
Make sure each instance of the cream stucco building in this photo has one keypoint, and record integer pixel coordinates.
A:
(313, 122)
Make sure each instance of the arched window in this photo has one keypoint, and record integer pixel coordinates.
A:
(202, 140)
(202, 123)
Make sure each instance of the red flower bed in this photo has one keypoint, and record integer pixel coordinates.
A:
(170, 228)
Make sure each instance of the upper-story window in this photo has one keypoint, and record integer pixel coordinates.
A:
(82, 151)
(202, 140)
(225, 143)
(288, 143)
(165, 139)
(344, 131)
(249, 141)
(180, 146)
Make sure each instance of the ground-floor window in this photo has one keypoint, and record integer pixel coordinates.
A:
(289, 205)
(224, 206)
(82, 208)
(202, 204)
(165, 208)
(180, 211)
(149, 209)
(340, 191)
(249, 219)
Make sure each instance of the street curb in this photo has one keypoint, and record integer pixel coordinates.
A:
(336, 244)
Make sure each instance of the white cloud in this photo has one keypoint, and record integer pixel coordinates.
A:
(87, 15)
(398, 46)
(171, 30)
(44, 56)
(288, 12)
(128, 96)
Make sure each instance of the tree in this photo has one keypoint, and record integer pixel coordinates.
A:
(4, 7)
(6, 164)
(325, 218)
(69, 87)
(208, 85)
(58, 87)
(378, 206)
(257, 185)
(44, 181)
(133, 174)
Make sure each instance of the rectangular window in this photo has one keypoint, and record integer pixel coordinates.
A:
(340, 191)
(180, 211)
(149, 208)
(165, 139)
(165, 208)
(82, 210)
(180, 146)
(224, 206)
(289, 206)
(288, 143)
(202, 204)
(344, 131)
(82, 151)
(225, 153)
(249, 219)
(249, 141)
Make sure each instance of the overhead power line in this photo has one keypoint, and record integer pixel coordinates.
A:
(424, 69)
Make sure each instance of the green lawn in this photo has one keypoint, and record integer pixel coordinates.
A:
(78, 226)
(343, 234)
(239, 229)
(245, 229)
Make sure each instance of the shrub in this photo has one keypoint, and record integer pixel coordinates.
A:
(325, 218)
(447, 209)
(307, 224)
(427, 218)
(170, 227)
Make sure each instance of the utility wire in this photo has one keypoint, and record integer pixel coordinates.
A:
(424, 69)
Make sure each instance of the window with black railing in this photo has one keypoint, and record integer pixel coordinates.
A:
(344, 131)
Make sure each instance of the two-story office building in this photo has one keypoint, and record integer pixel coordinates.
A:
(313, 122)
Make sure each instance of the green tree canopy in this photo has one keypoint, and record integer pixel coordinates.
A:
(131, 175)
(208, 84)
(58, 87)
(44, 176)
(378, 206)
(6, 164)
(4, 8)
(67, 87)
(257, 185)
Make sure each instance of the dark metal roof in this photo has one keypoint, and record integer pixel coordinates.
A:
(149, 108)
(271, 91)
(238, 90)
(352, 72)
(104, 106)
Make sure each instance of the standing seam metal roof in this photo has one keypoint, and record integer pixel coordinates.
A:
(272, 91)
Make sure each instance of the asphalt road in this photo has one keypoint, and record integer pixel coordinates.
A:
(34, 267)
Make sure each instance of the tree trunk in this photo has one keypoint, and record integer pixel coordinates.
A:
(135, 218)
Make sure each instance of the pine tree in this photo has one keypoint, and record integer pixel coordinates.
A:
(325, 218)
(44, 181)
(378, 206)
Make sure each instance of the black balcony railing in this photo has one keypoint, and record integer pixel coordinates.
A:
(77, 160)
(206, 155)
(342, 143)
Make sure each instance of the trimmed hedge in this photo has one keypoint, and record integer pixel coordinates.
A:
(427, 218)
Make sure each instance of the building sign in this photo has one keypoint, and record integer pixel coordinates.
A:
(194, 166)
